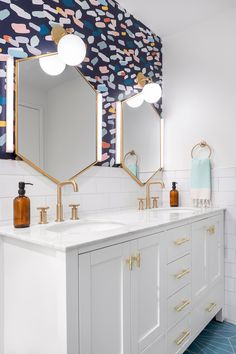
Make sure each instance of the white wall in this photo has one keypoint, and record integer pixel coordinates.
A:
(200, 91)
(200, 103)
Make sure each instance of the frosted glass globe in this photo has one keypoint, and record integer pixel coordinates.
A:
(152, 92)
(135, 101)
(52, 65)
(71, 50)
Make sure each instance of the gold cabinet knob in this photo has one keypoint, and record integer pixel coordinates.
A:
(211, 230)
(137, 259)
(129, 262)
(183, 337)
(43, 217)
(182, 306)
(181, 241)
(141, 203)
(182, 273)
(74, 211)
(211, 307)
(155, 202)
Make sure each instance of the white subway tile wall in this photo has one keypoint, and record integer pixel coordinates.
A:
(100, 188)
(223, 195)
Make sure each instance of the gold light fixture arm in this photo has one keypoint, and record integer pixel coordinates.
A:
(57, 33)
(142, 80)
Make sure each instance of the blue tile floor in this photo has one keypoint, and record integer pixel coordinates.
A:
(216, 338)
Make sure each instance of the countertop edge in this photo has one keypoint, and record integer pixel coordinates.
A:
(121, 237)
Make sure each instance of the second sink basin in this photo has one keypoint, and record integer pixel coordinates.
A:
(190, 211)
(84, 226)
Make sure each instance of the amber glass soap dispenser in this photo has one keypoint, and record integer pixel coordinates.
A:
(174, 196)
(22, 208)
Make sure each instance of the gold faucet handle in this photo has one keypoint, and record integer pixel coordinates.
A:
(74, 211)
(43, 217)
(155, 202)
(141, 203)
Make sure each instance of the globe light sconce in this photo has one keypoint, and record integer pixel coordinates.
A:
(71, 51)
(136, 101)
(151, 92)
(52, 65)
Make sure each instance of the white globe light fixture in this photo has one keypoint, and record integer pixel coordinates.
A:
(52, 65)
(71, 49)
(135, 101)
(152, 92)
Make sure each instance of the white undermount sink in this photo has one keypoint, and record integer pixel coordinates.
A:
(167, 211)
(84, 226)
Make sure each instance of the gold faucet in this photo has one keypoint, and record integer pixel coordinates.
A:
(148, 196)
(59, 197)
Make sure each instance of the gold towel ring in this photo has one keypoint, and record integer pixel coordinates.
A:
(131, 153)
(203, 144)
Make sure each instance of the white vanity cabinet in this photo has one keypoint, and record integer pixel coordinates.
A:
(151, 290)
(158, 303)
(122, 297)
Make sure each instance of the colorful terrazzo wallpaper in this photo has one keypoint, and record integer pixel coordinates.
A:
(118, 47)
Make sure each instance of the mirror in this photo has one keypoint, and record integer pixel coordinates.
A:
(56, 120)
(142, 141)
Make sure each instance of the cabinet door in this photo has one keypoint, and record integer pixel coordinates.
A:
(215, 250)
(104, 301)
(207, 257)
(199, 260)
(148, 293)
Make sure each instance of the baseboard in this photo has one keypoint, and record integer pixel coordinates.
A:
(230, 321)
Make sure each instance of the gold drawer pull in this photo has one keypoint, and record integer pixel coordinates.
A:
(211, 230)
(137, 259)
(129, 262)
(182, 338)
(211, 307)
(182, 273)
(181, 241)
(183, 305)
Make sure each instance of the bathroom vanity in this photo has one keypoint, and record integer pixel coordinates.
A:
(130, 282)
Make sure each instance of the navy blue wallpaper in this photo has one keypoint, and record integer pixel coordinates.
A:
(118, 47)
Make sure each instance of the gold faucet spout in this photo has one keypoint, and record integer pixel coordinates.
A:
(148, 194)
(59, 217)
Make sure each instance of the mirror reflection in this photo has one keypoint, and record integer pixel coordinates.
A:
(142, 141)
(56, 120)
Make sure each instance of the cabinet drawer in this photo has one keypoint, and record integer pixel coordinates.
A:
(179, 274)
(178, 242)
(178, 338)
(179, 306)
(208, 307)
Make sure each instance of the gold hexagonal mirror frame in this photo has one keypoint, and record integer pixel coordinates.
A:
(97, 128)
(132, 152)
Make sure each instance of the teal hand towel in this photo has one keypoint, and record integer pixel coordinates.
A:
(133, 169)
(201, 182)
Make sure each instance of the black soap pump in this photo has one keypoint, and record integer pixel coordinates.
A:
(22, 207)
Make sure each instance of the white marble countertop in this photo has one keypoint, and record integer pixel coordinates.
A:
(100, 227)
